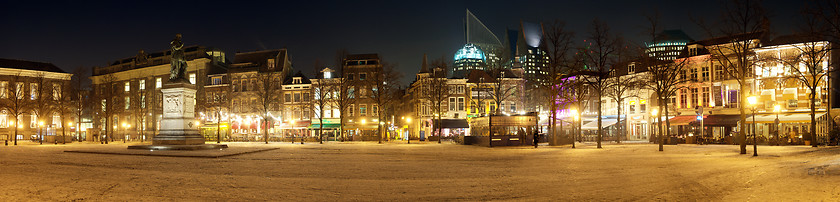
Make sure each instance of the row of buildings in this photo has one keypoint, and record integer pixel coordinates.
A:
(260, 93)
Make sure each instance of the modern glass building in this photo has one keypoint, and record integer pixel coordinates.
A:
(479, 39)
(668, 44)
(468, 58)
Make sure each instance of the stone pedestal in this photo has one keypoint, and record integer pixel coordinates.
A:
(178, 126)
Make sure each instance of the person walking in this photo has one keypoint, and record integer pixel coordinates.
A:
(536, 139)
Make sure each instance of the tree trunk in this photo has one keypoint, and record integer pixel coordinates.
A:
(667, 132)
(341, 127)
(618, 125)
(265, 130)
(379, 126)
(742, 137)
(321, 126)
(17, 122)
(659, 134)
(813, 118)
(63, 131)
(600, 131)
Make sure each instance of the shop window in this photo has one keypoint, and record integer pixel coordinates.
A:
(792, 103)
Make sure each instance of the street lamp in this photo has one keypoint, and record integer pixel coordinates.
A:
(63, 136)
(40, 130)
(125, 130)
(653, 114)
(11, 123)
(777, 108)
(753, 100)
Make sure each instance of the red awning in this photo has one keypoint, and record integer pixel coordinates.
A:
(682, 120)
(301, 123)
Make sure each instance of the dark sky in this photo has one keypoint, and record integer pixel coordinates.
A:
(73, 34)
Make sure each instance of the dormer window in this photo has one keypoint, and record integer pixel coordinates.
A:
(296, 80)
(270, 64)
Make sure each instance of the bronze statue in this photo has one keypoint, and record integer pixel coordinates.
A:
(179, 63)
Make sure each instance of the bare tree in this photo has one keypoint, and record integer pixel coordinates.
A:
(345, 88)
(576, 91)
(13, 97)
(742, 24)
(559, 47)
(598, 50)
(266, 93)
(436, 92)
(216, 103)
(620, 84)
(663, 78)
(322, 93)
(80, 100)
(42, 102)
(808, 63)
(384, 84)
(108, 102)
(63, 104)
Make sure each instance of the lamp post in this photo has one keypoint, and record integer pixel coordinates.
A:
(63, 136)
(653, 114)
(11, 123)
(753, 100)
(408, 133)
(40, 132)
(125, 131)
(777, 109)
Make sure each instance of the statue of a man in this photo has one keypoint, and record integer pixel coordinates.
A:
(179, 64)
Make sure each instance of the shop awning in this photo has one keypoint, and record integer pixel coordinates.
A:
(682, 120)
(593, 125)
(718, 120)
(453, 123)
(300, 124)
(785, 118)
(326, 126)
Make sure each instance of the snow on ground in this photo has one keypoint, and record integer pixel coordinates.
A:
(429, 172)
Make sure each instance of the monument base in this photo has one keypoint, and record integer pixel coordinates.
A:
(178, 128)
(179, 147)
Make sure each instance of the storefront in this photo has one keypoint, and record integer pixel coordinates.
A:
(451, 128)
(505, 130)
(330, 130)
(211, 131)
(793, 128)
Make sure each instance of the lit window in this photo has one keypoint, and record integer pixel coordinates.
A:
(142, 84)
(33, 91)
(127, 86)
(192, 78)
(158, 82)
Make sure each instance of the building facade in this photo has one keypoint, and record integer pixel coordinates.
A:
(256, 82)
(31, 90)
(128, 91)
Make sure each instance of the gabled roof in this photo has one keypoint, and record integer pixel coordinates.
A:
(727, 39)
(673, 35)
(303, 79)
(367, 56)
(794, 39)
(424, 68)
(474, 76)
(259, 58)
(29, 65)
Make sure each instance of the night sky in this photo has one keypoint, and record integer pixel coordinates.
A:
(74, 34)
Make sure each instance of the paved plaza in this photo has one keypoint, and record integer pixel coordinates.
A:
(427, 172)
